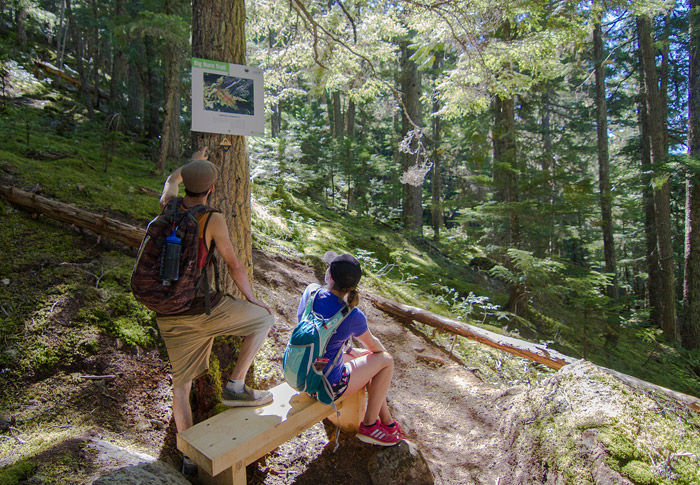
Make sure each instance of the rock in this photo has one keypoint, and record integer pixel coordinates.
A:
(157, 424)
(121, 466)
(403, 463)
(9, 168)
(142, 424)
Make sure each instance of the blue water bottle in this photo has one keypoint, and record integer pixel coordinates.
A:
(170, 259)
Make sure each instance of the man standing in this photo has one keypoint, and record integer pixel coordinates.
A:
(189, 335)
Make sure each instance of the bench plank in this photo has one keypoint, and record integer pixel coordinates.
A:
(239, 436)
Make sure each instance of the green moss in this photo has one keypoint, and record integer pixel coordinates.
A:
(621, 448)
(215, 377)
(639, 473)
(131, 332)
(17, 472)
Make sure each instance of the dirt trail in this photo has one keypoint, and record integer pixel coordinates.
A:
(454, 418)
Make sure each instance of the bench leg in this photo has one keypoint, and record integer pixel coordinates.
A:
(351, 413)
(231, 476)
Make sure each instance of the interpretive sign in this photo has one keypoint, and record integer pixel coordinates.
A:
(227, 98)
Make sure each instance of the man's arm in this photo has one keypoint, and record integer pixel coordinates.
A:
(172, 183)
(171, 188)
(219, 234)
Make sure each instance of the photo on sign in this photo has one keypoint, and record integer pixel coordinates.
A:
(228, 94)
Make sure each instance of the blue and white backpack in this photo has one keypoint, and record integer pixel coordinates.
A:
(304, 362)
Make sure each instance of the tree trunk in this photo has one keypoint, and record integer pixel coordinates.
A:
(60, 33)
(79, 49)
(153, 124)
(118, 68)
(603, 160)
(20, 24)
(411, 115)
(436, 182)
(135, 105)
(662, 190)
(652, 254)
(276, 120)
(94, 54)
(690, 326)
(170, 136)
(338, 121)
(547, 164)
(505, 175)
(218, 33)
(350, 119)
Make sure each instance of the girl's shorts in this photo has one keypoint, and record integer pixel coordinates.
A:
(342, 384)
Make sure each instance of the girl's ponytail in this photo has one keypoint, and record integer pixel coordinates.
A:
(352, 298)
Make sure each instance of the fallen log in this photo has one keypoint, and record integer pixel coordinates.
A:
(97, 223)
(537, 353)
(131, 236)
(51, 69)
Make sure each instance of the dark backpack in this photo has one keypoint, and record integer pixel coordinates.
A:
(147, 284)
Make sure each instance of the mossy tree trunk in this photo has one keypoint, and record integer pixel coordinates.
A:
(218, 33)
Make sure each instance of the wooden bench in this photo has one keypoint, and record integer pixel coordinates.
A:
(223, 445)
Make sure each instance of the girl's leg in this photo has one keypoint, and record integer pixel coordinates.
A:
(374, 369)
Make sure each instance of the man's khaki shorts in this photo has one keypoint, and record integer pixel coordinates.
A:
(189, 338)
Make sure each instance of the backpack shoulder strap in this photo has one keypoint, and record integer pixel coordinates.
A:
(315, 287)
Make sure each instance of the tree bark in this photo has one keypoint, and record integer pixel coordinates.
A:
(412, 213)
(118, 68)
(338, 120)
(218, 33)
(94, 54)
(135, 104)
(505, 174)
(170, 136)
(79, 50)
(350, 119)
(276, 120)
(690, 325)
(153, 101)
(60, 33)
(652, 249)
(604, 160)
(436, 181)
(662, 186)
(20, 24)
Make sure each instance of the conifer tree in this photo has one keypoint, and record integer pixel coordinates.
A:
(218, 34)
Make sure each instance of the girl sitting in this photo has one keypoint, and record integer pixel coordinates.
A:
(371, 366)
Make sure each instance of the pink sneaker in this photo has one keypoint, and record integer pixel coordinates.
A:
(394, 428)
(377, 434)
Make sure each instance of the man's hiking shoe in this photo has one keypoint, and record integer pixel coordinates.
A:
(377, 434)
(189, 468)
(249, 397)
